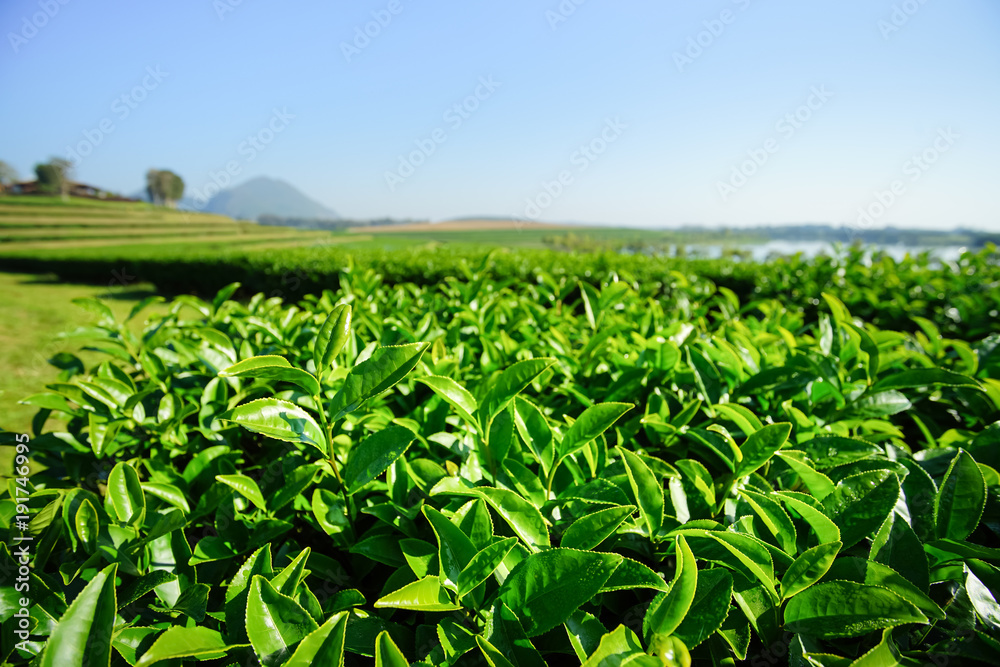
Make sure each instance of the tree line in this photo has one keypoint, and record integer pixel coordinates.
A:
(163, 187)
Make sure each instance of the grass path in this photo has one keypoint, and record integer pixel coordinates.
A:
(34, 310)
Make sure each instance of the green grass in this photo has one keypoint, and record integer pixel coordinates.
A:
(35, 310)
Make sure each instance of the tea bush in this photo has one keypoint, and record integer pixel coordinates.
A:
(484, 470)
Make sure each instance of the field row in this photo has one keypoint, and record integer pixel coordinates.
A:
(530, 472)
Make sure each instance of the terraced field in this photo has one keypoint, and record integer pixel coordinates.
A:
(40, 223)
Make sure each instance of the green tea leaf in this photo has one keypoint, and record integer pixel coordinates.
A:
(332, 336)
(280, 420)
(423, 595)
(246, 487)
(82, 636)
(455, 550)
(961, 498)
(860, 503)
(836, 609)
(808, 568)
(509, 384)
(668, 609)
(709, 608)
(647, 491)
(374, 455)
(387, 654)
(180, 642)
(589, 531)
(275, 623)
(455, 395)
(125, 493)
(324, 646)
(760, 446)
(273, 367)
(594, 421)
(380, 372)
(545, 588)
(483, 565)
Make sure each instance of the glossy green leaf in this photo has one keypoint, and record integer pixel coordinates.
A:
(455, 549)
(387, 366)
(545, 588)
(615, 648)
(246, 487)
(897, 546)
(668, 609)
(275, 623)
(168, 493)
(961, 498)
(82, 636)
(523, 517)
(387, 654)
(808, 568)
(589, 531)
(885, 654)
(280, 420)
(374, 455)
(924, 377)
(125, 493)
(483, 565)
(102, 433)
(509, 384)
(709, 608)
(836, 609)
(773, 517)
(594, 421)
(632, 574)
(826, 530)
(273, 367)
(423, 595)
(493, 657)
(455, 395)
(504, 631)
(324, 646)
(760, 446)
(585, 633)
(862, 571)
(87, 525)
(331, 338)
(180, 642)
(646, 489)
(860, 503)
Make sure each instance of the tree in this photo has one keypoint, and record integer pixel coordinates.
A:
(53, 176)
(8, 175)
(164, 187)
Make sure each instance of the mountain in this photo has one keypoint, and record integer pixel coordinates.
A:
(266, 196)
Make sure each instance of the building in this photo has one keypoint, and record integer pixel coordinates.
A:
(75, 190)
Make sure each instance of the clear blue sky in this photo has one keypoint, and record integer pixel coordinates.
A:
(677, 130)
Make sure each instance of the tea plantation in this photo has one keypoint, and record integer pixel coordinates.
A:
(429, 457)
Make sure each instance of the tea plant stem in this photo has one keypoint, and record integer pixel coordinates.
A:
(331, 457)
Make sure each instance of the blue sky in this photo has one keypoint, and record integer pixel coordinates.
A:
(729, 112)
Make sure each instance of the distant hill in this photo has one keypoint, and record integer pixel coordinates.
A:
(258, 197)
(267, 196)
